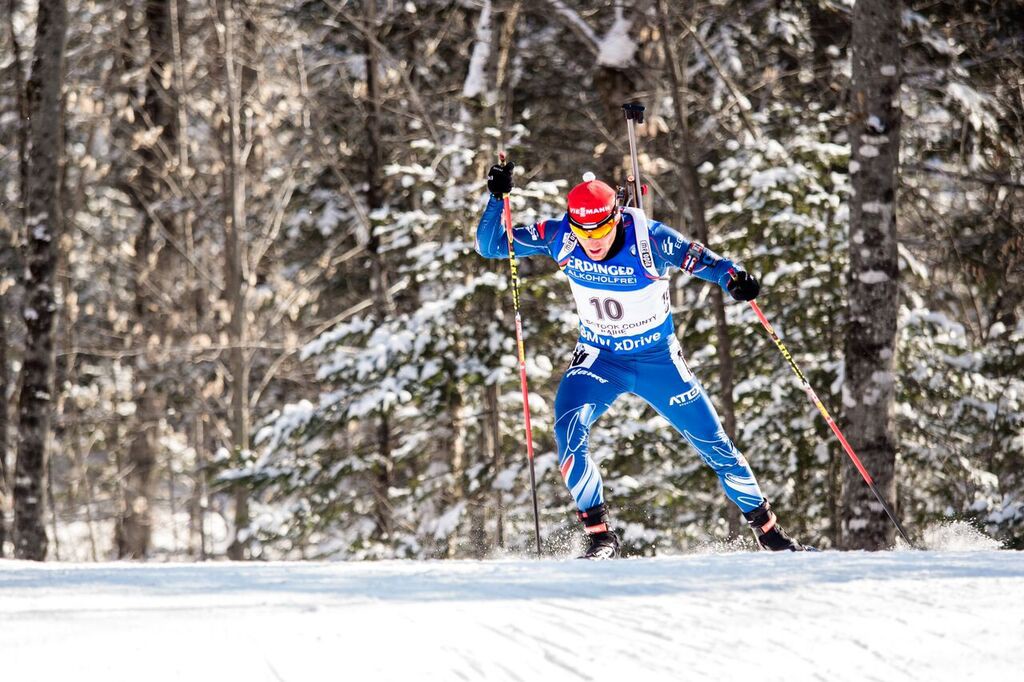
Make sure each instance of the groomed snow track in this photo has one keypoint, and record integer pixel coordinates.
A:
(912, 615)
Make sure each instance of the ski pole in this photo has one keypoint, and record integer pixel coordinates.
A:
(522, 356)
(828, 418)
(634, 114)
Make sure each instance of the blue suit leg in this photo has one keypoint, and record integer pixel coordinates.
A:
(588, 388)
(669, 386)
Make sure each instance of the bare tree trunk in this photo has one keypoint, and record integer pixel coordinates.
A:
(64, 371)
(492, 433)
(154, 277)
(250, 65)
(127, 522)
(458, 488)
(375, 160)
(133, 530)
(694, 202)
(199, 501)
(374, 189)
(9, 264)
(5, 380)
(43, 227)
(81, 480)
(382, 481)
(868, 392)
(21, 102)
(197, 295)
(383, 304)
(234, 280)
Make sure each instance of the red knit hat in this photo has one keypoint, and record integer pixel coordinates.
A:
(591, 203)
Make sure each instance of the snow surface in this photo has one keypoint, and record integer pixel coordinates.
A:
(909, 615)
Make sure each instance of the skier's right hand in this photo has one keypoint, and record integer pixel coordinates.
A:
(499, 179)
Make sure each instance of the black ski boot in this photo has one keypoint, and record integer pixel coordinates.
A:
(770, 534)
(603, 543)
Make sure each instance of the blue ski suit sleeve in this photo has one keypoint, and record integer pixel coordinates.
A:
(671, 249)
(491, 241)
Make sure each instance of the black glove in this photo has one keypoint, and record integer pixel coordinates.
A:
(743, 286)
(499, 179)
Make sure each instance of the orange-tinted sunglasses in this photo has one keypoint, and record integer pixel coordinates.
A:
(598, 231)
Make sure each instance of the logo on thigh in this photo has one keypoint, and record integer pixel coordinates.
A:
(584, 356)
(686, 397)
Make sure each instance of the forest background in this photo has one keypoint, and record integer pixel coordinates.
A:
(241, 314)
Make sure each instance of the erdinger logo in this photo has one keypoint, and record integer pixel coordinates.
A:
(590, 266)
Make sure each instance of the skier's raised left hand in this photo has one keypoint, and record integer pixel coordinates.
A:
(743, 286)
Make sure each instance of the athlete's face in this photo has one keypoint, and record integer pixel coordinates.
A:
(597, 249)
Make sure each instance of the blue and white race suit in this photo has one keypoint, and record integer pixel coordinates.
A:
(627, 344)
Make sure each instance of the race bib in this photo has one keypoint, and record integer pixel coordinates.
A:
(622, 313)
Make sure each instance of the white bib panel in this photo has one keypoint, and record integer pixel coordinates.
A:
(622, 313)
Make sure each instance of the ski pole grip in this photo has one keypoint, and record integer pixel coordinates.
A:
(634, 111)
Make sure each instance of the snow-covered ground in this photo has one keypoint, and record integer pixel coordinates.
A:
(910, 615)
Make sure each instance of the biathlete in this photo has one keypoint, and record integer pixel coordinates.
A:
(617, 262)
